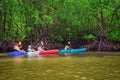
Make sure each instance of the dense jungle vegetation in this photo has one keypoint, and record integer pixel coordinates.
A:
(94, 24)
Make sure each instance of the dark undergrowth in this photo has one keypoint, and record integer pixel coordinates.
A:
(97, 45)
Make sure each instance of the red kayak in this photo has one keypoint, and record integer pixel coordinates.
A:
(49, 52)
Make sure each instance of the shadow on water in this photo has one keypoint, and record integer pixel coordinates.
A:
(94, 54)
(102, 54)
(3, 55)
(85, 54)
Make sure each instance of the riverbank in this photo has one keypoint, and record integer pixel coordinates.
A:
(6, 46)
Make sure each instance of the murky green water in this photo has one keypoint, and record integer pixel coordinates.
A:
(91, 67)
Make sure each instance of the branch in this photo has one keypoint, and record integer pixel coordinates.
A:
(96, 16)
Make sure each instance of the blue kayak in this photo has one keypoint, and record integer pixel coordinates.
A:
(73, 51)
(15, 53)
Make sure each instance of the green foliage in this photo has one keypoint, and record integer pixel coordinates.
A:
(114, 35)
(56, 38)
(59, 19)
(89, 37)
(48, 19)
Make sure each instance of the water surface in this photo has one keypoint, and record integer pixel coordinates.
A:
(91, 66)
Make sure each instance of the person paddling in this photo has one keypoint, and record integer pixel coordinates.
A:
(68, 46)
(30, 49)
(40, 48)
(16, 47)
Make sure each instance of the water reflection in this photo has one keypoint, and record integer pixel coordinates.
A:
(17, 60)
(72, 67)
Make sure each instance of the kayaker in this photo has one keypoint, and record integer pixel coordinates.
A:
(31, 52)
(41, 44)
(30, 49)
(20, 46)
(20, 43)
(67, 46)
(16, 47)
(40, 48)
